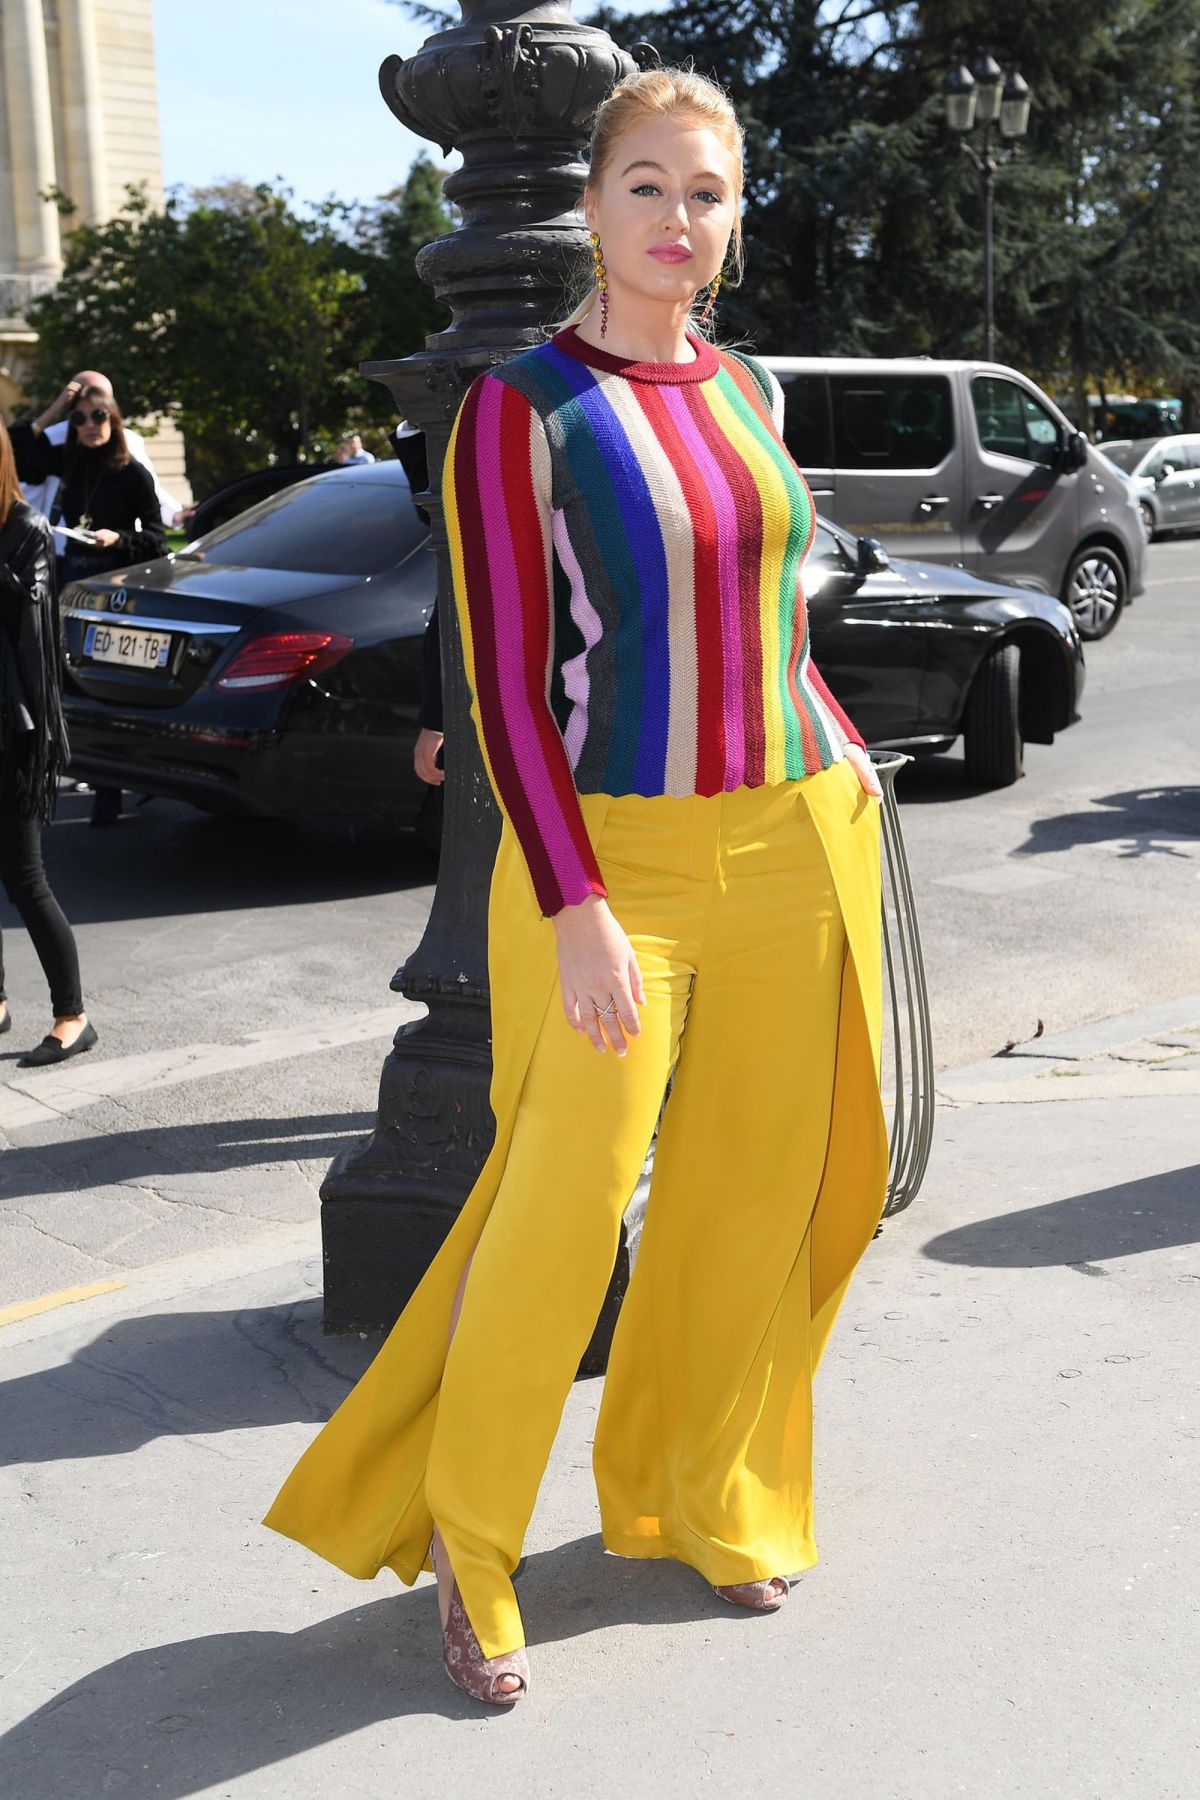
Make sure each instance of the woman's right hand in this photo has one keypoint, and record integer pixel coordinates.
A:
(596, 965)
(66, 399)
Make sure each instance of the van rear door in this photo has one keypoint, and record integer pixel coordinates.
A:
(898, 469)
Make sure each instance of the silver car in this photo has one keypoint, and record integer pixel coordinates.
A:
(1165, 472)
(966, 463)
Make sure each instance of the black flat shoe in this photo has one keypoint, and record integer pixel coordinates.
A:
(52, 1050)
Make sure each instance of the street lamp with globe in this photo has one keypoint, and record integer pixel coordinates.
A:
(990, 99)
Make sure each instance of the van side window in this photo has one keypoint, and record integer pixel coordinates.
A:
(806, 419)
(1012, 423)
(891, 421)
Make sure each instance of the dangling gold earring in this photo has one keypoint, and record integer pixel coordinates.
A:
(713, 290)
(601, 279)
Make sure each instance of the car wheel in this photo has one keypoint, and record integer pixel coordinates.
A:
(1095, 590)
(1147, 512)
(995, 753)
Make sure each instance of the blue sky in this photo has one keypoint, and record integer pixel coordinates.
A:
(260, 88)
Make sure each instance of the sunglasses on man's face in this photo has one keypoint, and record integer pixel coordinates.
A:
(97, 416)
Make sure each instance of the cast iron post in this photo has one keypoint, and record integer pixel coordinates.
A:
(989, 247)
(514, 88)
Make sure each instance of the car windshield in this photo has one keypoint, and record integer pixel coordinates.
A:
(1126, 456)
(321, 527)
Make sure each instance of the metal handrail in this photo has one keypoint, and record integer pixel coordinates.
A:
(910, 1136)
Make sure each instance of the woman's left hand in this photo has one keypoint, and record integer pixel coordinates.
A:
(105, 539)
(863, 767)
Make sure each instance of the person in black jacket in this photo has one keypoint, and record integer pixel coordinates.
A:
(33, 754)
(105, 492)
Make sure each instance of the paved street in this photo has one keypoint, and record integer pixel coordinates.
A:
(1005, 1451)
(1074, 894)
(239, 973)
(1005, 1510)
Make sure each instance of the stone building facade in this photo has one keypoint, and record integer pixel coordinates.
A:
(78, 112)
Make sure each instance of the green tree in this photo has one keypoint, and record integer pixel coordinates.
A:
(863, 218)
(400, 309)
(268, 327)
(242, 319)
(111, 308)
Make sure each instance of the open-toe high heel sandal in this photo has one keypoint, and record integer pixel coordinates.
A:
(756, 1596)
(467, 1666)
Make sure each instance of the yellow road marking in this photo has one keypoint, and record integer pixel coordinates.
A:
(66, 1297)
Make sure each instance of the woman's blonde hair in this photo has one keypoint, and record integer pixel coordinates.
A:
(666, 94)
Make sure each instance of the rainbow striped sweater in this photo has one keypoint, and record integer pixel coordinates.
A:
(626, 541)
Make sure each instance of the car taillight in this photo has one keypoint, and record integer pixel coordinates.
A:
(280, 658)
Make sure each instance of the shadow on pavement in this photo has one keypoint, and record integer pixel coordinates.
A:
(153, 1153)
(1152, 1213)
(1162, 821)
(180, 1374)
(188, 1717)
(166, 858)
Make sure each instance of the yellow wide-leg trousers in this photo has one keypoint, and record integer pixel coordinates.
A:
(755, 918)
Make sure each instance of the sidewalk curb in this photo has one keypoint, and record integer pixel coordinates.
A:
(1082, 1041)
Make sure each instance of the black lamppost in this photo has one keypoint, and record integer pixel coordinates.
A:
(514, 88)
(988, 98)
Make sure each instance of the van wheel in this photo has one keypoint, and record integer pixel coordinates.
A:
(995, 754)
(1095, 590)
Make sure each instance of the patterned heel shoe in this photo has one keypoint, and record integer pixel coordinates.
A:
(756, 1596)
(467, 1666)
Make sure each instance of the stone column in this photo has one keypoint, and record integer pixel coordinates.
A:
(83, 116)
(31, 137)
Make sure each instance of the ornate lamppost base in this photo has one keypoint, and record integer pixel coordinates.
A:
(514, 87)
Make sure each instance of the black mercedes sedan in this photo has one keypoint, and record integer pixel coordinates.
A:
(273, 666)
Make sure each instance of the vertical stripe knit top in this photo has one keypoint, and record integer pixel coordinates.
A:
(626, 541)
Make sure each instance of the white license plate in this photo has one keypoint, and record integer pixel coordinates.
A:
(122, 644)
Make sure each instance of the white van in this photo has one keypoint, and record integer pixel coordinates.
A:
(966, 463)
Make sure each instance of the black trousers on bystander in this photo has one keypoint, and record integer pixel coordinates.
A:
(24, 879)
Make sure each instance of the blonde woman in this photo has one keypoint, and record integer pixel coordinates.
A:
(687, 881)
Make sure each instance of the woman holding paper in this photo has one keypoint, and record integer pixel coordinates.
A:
(106, 494)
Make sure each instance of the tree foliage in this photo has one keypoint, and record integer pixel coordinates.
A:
(246, 320)
(864, 218)
(243, 319)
